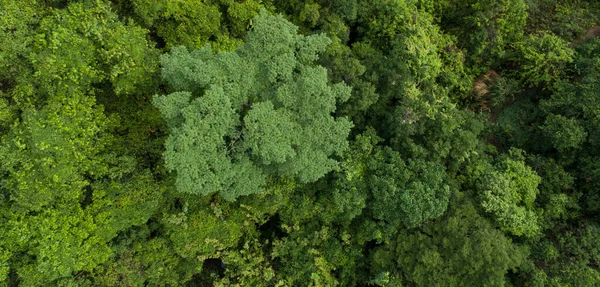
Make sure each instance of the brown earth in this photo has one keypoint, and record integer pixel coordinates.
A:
(591, 32)
(481, 89)
(481, 85)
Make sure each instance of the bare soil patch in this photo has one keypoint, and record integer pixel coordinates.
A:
(594, 31)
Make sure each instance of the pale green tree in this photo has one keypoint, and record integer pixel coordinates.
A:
(263, 109)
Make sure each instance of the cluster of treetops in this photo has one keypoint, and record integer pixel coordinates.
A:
(299, 143)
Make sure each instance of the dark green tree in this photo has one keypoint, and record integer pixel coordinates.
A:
(462, 249)
(485, 28)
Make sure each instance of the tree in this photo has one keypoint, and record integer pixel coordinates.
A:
(567, 258)
(86, 44)
(260, 110)
(508, 191)
(563, 133)
(336, 19)
(543, 59)
(81, 48)
(557, 194)
(461, 249)
(67, 195)
(486, 29)
(416, 188)
(16, 36)
(570, 122)
(196, 23)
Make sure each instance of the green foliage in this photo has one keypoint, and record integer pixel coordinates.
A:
(50, 151)
(244, 169)
(566, 19)
(305, 260)
(315, 251)
(415, 188)
(16, 35)
(486, 29)
(516, 126)
(577, 100)
(381, 21)
(196, 23)
(503, 91)
(556, 191)
(247, 266)
(563, 133)
(543, 59)
(508, 193)
(349, 199)
(140, 260)
(571, 124)
(182, 22)
(412, 46)
(462, 249)
(263, 109)
(199, 154)
(66, 198)
(68, 244)
(440, 134)
(51, 158)
(569, 259)
(72, 51)
(200, 235)
(4, 265)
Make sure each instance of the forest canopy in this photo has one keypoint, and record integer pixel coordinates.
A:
(299, 143)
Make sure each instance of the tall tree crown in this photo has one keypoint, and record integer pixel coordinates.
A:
(263, 109)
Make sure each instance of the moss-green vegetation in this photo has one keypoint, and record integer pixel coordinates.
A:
(299, 143)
